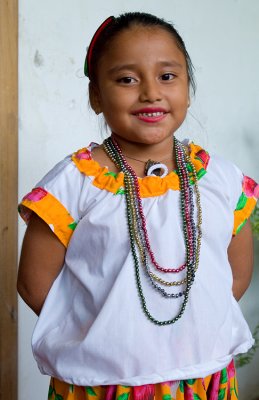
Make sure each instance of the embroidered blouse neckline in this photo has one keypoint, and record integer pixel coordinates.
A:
(150, 186)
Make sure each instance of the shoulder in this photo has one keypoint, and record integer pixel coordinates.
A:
(215, 164)
(215, 167)
(70, 168)
(62, 168)
(225, 178)
(57, 198)
(222, 176)
(232, 178)
(226, 169)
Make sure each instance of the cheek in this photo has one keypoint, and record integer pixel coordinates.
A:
(181, 98)
(112, 101)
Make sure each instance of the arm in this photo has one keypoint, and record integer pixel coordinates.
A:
(240, 255)
(42, 259)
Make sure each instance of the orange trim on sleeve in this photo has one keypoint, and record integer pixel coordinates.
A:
(48, 208)
(241, 216)
(246, 203)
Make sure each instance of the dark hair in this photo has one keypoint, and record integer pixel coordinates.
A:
(127, 21)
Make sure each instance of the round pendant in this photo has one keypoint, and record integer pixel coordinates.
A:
(159, 166)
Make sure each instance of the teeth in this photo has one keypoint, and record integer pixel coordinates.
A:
(155, 114)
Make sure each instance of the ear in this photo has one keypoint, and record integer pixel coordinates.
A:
(94, 98)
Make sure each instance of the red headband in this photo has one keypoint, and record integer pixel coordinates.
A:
(92, 43)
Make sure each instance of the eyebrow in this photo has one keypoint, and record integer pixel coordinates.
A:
(118, 68)
(169, 63)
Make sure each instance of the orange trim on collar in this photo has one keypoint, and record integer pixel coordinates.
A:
(150, 186)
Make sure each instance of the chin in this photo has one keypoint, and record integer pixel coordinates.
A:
(155, 138)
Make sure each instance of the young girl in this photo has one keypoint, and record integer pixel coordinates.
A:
(138, 249)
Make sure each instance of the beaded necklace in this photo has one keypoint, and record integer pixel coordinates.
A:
(138, 234)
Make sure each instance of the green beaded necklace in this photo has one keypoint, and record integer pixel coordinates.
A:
(137, 230)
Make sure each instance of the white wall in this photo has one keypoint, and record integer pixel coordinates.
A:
(222, 38)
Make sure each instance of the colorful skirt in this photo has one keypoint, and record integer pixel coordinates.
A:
(219, 386)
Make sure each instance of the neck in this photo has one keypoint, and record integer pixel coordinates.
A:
(142, 151)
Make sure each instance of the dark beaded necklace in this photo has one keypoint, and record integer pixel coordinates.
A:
(138, 230)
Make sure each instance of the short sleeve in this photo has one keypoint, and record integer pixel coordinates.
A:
(246, 203)
(55, 199)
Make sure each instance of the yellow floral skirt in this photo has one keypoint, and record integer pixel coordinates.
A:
(219, 386)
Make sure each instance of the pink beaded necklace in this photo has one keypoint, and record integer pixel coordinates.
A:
(139, 238)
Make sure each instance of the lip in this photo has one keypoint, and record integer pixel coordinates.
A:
(150, 110)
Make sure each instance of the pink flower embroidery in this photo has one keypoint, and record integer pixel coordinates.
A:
(83, 154)
(213, 388)
(144, 392)
(250, 187)
(231, 370)
(110, 392)
(203, 156)
(188, 393)
(36, 194)
(256, 192)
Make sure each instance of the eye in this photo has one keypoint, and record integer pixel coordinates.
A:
(167, 77)
(126, 80)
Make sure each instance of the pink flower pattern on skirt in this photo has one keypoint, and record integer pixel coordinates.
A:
(221, 385)
(110, 392)
(213, 389)
(144, 392)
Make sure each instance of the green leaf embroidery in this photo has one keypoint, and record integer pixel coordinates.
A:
(123, 396)
(189, 167)
(111, 174)
(90, 391)
(191, 381)
(201, 173)
(196, 396)
(241, 201)
(72, 225)
(181, 386)
(241, 226)
(51, 390)
(71, 388)
(235, 388)
(224, 376)
(167, 397)
(124, 386)
(121, 190)
(221, 395)
(59, 397)
(198, 158)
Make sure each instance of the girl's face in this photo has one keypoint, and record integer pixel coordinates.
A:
(143, 88)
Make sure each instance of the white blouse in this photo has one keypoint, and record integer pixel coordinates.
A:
(92, 329)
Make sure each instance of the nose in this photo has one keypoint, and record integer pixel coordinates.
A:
(150, 91)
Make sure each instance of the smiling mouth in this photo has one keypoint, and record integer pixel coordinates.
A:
(152, 114)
